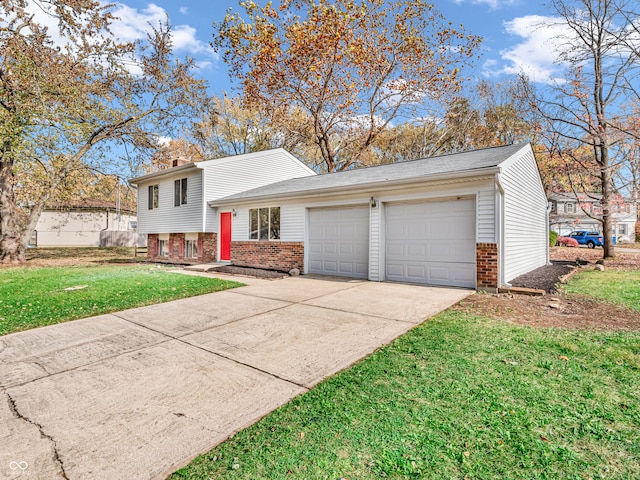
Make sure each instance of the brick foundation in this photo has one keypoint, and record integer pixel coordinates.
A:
(207, 248)
(486, 265)
(282, 256)
(152, 246)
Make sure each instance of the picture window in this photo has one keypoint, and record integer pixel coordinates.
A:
(264, 223)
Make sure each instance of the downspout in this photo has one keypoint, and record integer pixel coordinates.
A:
(107, 226)
(104, 229)
(500, 233)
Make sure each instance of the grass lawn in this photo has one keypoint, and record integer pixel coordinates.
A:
(34, 297)
(458, 397)
(617, 286)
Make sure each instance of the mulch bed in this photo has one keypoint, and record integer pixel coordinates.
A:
(545, 278)
(251, 272)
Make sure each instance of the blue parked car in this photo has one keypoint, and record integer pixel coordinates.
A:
(590, 239)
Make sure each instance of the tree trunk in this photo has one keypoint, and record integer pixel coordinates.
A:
(12, 249)
(607, 224)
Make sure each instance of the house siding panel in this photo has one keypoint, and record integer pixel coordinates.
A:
(237, 174)
(292, 218)
(168, 218)
(240, 225)
(486, 216)
(375, 237)
(525, 219)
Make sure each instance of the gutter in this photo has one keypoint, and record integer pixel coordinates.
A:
(168, 171)
(380, 184)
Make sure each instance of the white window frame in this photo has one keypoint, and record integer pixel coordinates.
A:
(163, 247)
(153, 193)
(180, 192)
(190, 248)
(272, 231)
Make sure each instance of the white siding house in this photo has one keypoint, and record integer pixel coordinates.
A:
(583, 211)
(474, 219)
(173, 209)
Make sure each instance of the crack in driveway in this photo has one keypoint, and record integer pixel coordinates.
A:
(56, 456)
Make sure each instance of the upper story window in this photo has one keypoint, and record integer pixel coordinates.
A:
(153, 196)
(264, 223)
(180, 192)
(569, 207)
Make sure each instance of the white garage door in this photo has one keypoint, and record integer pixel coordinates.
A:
(431, 242)
(339, 241)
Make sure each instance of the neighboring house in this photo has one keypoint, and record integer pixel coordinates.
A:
(570, 212)
(475, 219)
(172, 203)
(92, 225)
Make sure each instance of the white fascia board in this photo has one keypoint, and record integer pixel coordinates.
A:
(469, 175)
(161, 173)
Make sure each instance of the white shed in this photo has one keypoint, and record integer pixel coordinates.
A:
(476, 219)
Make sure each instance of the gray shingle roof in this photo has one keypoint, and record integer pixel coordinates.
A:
(486, 158)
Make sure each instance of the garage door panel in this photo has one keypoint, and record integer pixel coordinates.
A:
(431, 242)
(339, 241)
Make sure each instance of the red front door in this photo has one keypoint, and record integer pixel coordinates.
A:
(225, 236)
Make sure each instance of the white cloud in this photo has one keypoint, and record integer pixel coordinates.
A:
(132, 24)
(494, 4)
(183, 10)
(537, 54)
(163, 141)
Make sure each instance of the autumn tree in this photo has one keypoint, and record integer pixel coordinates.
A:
(489, 114)
(234, 125)
(581, 112)
(352, 67)
(72, 97)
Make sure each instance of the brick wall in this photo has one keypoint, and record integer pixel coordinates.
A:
(282, 256)
(207, 248)
(176, 247)
(486, 265)
(152, 246)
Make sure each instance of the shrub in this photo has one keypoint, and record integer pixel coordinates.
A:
(567, 242)
(553, 237)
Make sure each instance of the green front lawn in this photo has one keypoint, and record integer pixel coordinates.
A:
(34, 297)
(458, 397)
(617, 286)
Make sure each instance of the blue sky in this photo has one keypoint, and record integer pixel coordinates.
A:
(513, 38)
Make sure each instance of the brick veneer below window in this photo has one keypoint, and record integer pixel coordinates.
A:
(282, 256)
(207, 248)
(486, 265)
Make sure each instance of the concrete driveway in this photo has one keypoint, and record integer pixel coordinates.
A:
(138, 394)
